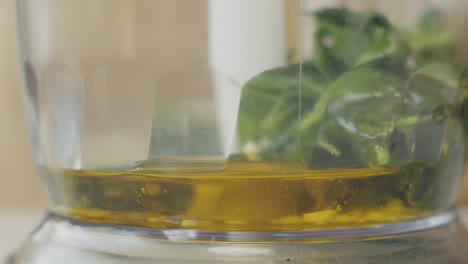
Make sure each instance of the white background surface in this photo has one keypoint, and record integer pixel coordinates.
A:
(16, 224)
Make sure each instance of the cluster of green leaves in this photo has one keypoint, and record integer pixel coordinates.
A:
(371, 96)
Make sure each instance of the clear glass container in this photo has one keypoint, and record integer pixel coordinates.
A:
(246, 131)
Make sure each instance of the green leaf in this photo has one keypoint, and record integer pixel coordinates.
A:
(344, 40)
(269, 108)
(364, 105)
(361, 83)
(431, 41)
(430, 87)
(368, 105)
(379, 109)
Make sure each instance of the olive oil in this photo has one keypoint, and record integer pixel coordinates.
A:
(240, 196)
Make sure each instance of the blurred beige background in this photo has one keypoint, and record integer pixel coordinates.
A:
(19, 184)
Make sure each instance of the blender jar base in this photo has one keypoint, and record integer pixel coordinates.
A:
(436, 239)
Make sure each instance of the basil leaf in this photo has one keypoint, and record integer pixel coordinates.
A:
(269, 109)
(344, 40)
(364, 105)
(431, 41)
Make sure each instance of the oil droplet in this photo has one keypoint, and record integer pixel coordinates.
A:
(152, 189)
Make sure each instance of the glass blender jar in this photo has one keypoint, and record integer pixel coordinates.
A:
(246, 131)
